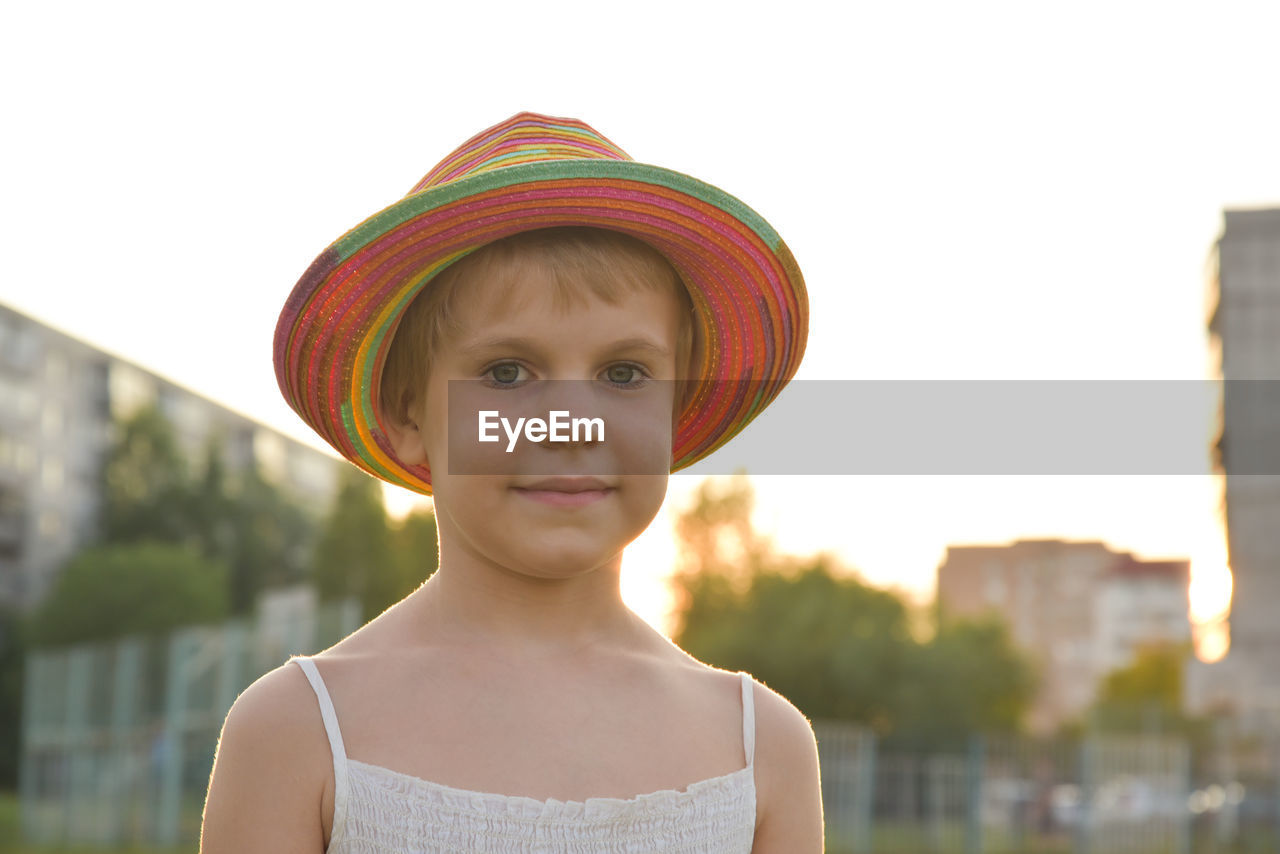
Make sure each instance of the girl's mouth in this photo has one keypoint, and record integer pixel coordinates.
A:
(566, 491)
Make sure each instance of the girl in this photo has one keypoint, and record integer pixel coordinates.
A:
(513, 702)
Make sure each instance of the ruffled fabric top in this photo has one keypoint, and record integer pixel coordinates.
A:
(380, 810)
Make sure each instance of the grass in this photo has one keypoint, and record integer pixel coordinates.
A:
(888, 838)
(11, 841)
(901, 837)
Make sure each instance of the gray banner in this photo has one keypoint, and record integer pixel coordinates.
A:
(1090, 427)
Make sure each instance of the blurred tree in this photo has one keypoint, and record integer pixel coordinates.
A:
(268, 542)
(244, 521)
(830, 643)
(719, 552)
(716, 534)
(833, 645)
(139, 588)
(968, 678)
(1155, 675)
(210, 503)
(1146, 695)
(354, 555)
(416, 551)
(146, 492)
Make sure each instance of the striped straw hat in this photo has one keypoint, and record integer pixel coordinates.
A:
(526, 173)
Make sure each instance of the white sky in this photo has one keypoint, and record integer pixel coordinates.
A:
(973, 190)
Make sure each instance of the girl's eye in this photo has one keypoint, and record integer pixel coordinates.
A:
(507, 373)
(624, 375)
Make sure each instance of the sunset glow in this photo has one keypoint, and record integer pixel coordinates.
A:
(651, 558)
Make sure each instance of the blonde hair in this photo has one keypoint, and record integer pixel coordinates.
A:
(580, 260)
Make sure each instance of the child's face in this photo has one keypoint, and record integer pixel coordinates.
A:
(529, 517)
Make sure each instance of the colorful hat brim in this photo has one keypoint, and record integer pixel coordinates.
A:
(749, 296)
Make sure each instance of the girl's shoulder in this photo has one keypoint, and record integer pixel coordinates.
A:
(788, 790)
(270, 769)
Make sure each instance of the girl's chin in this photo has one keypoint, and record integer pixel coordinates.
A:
(560, 564)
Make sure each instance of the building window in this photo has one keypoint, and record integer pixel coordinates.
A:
(128, 389)
(15, 455)
(995, 590)
(270, 454)
(56, 370)
(51, 474)
(18, 344)
(50, 524)
(51, 420)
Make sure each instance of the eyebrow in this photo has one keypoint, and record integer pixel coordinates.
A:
(528, 344)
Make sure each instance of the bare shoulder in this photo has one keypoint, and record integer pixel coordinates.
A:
(782, 730)
(271, 772)
(788, 790)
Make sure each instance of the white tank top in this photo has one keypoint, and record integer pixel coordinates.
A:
(376, 809)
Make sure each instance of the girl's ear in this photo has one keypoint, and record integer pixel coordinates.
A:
(405, 440)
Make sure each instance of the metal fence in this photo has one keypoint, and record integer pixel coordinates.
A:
(118, 738)
(1100, 794)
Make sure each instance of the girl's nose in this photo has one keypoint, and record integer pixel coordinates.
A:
(576, 396)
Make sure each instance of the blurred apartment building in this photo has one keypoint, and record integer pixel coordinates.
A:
(1079, 609)
(59, 398)
(1244, 322)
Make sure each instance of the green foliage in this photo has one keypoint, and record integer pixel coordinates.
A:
(833, 645)
(249, 525)
(13, 842)
(360, 554)
(266, 541)
(145, 484)
(417, 550)
(969, 677)
(118, 590)
(1146, 696)
(715, 532)
(354, 543)
(244, 522)
(826, 641)
(1154, 676)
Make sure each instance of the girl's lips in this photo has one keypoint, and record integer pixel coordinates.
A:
(561, 498)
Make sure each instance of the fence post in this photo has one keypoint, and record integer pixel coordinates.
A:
(351, 614)
(230, 671)
(1225, 824)
(1182, 831)
(1275, 793)
(935, 770)
(75, 745)
(864, 793)
(124, 714)
(974, 772)
(171, 743)
(1084, 811)
(34, 680)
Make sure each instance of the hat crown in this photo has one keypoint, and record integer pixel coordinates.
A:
(523, 138)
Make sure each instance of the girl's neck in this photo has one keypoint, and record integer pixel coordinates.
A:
(474, 605)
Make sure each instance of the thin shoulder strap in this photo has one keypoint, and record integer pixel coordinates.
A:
(748, 718)
(330, 716)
